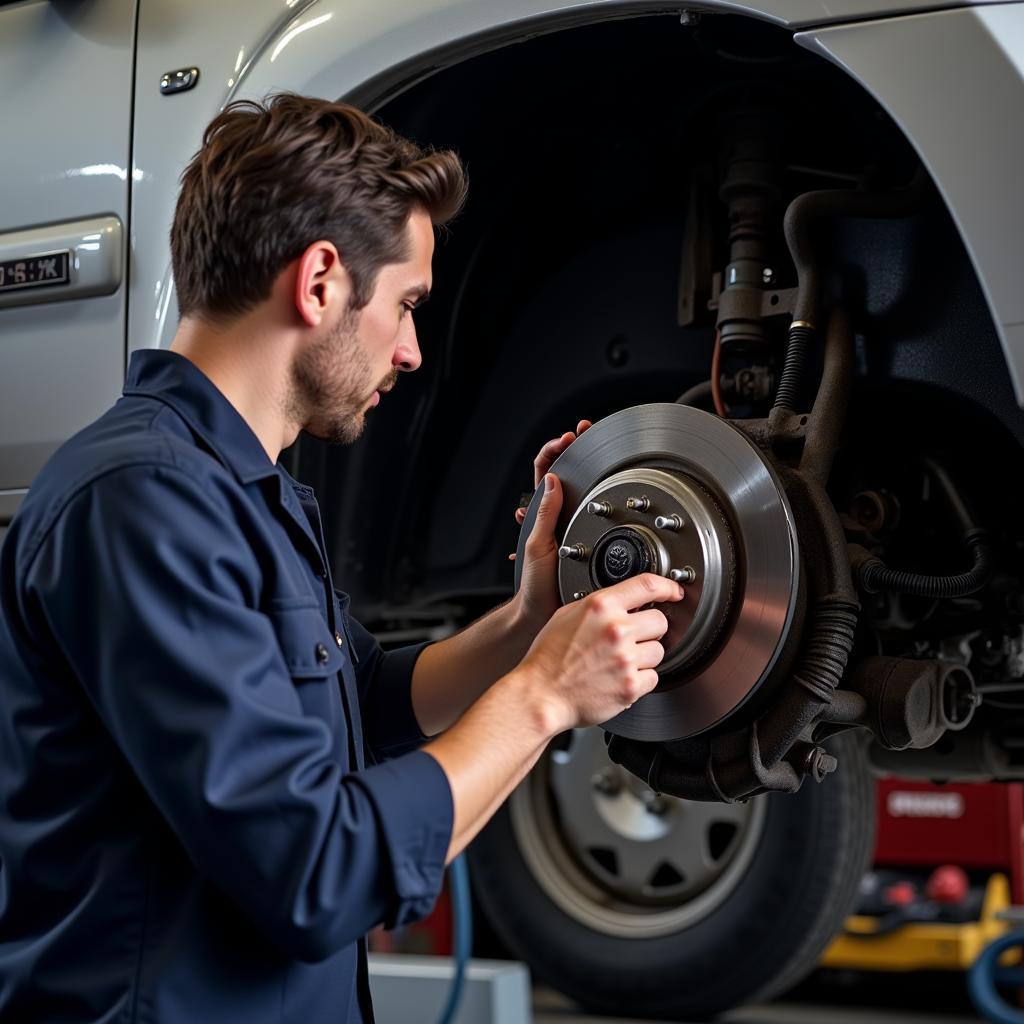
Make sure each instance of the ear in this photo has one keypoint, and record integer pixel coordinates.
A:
(321, 281)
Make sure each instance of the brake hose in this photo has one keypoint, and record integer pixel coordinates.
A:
(462, 927)
(801, 216)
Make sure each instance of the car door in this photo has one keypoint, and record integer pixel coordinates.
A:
(66, 78)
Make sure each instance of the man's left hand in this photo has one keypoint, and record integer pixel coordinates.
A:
(538, 588)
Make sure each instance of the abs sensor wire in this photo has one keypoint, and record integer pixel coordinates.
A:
(873, 575)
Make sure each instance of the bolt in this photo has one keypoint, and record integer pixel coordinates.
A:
(607, 782)
(578, 595)
(685, 575)
(672, 523)
(599, 508)
(641, 504)
(820, 763)
(577, 552)
(689, 18)
(767, 275)
(656, 804)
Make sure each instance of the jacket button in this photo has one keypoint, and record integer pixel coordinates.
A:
(339, 641)
(321, 654)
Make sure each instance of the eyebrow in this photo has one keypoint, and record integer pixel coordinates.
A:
(419, 292)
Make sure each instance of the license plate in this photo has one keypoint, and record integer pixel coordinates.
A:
(50, 268)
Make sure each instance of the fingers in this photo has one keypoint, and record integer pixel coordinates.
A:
(647, 588)
(650, 624)
(647, 679)
(520, 516)
(649, 654)
(547, 455)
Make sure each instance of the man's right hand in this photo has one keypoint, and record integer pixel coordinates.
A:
(597, 656)
(593, 659)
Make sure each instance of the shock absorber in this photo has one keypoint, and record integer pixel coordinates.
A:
(750, 191)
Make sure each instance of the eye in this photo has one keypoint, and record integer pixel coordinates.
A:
(407, 308)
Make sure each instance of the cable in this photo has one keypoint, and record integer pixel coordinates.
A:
(462, 926)
(716, 376)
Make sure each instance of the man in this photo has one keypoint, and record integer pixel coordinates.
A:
(210, 785)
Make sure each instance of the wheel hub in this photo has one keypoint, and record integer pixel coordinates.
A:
(656, 520)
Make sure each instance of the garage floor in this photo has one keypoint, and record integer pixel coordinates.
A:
(551, 1008)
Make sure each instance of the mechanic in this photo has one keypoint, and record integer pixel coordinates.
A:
(211, 777)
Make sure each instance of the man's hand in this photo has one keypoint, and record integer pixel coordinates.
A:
(597, 656)
(592, 660)
(547, 455)
(538, 588)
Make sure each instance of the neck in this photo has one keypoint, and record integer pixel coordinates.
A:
(249, 365)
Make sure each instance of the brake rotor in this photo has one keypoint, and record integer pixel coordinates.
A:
(677, 491)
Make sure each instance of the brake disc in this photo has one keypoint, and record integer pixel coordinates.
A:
(677, 491)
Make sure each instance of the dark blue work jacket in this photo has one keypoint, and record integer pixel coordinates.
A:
(199, 819)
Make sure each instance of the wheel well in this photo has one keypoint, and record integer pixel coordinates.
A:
(556, 293)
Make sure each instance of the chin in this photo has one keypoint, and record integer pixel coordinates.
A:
(341, 431)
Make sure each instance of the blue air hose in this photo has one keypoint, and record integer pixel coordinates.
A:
(462, 927)
(988, 982)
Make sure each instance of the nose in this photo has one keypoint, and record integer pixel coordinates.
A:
(407, 355)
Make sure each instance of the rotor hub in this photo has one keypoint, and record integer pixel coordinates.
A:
(660, 520)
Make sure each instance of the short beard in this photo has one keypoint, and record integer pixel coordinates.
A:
(331, 383)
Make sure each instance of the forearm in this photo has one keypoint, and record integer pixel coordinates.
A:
(453, 673)
(488, 752)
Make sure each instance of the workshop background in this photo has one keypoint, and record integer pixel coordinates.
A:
(772, 249)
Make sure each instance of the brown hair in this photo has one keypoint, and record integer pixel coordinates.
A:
(271, 178)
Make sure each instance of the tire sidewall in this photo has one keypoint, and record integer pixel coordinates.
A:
(813, 848)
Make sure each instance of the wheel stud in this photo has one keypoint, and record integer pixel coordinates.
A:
(685, 575)
(672, 523)
(577, 552)
(607, 782)
(641, 504)
(599, 508)
(656, 804)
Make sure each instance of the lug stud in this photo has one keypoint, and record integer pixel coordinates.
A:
(577, 552)
(672, 523)
(684, 575)
(607, 781)
(578, 595)
(599, 508)
(641, 504)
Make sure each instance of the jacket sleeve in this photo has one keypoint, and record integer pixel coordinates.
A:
(384, 679)
(147, 589)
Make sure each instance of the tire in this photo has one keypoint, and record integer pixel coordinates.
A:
(687, 909)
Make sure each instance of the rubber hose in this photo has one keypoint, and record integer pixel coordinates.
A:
(462, 914)
(873, 575)
(828, 649)
(799, 344)
(988, 981)
(702, 391)
(800, 217)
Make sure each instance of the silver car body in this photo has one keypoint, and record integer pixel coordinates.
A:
(88, 137)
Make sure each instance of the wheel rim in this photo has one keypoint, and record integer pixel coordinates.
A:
(619, 858)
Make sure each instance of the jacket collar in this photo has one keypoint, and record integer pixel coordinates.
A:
(176, 381)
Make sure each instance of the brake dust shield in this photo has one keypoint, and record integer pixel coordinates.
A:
(677, 491)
